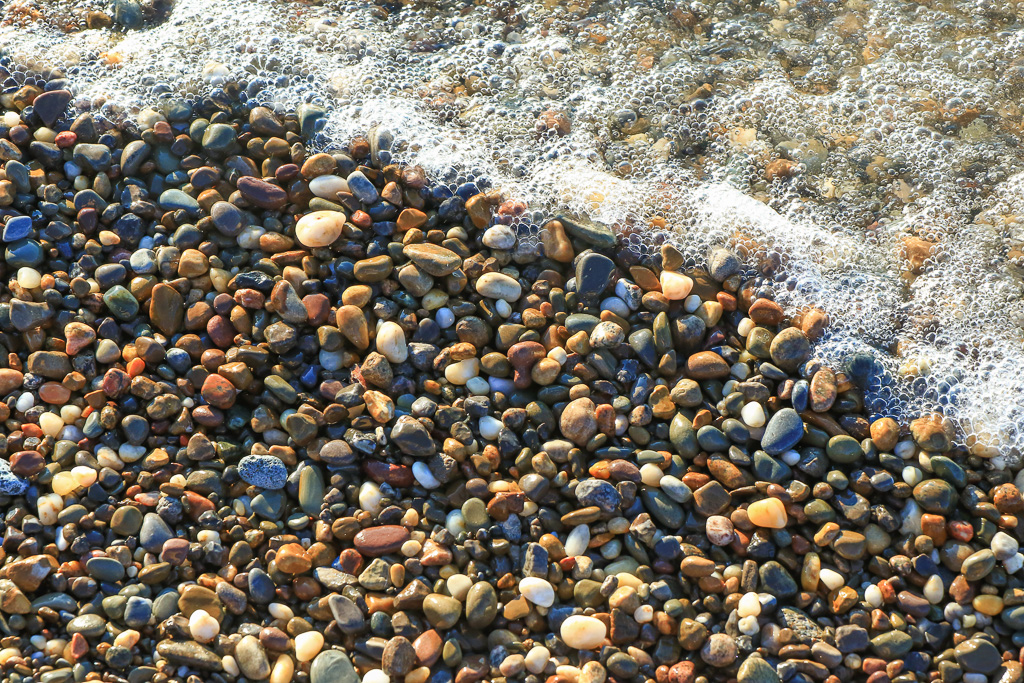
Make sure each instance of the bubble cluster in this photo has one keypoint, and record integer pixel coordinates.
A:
(864, 156)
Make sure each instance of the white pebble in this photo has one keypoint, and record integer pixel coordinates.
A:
(498, 286)
(24, 402)
(644, 614)
(745, 326)
(462, 371)
(748, 626)
(279, 610)
(503, 308)
(51, 424)
(328, 186)
(749, 605)
(791, 458)
(675, 286)
(831, 578)
(391, 342)
(753, 414)
(376, 676)
(691, 303)
(49, 506)
(912, 475)
(478, 386)
(370, 497)
(651, 474)
(459, 585)
(905, 449)
(577, 541)
(229, 665)
(422, 474)
(581, 632)
(29, 278)
(538, 591)
(499, 237)
(537, 659)
(1004, 546)
(1014, 564)
(873, 595)
(455, 523)
(320, 228)
(203, 627)
(490, 427)
(933, 589)
(85, 476)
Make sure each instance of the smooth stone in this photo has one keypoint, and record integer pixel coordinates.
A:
(174, 200)
(892, 645)
(433, 259)
(481, 605)
(320, 228)
(582, 632)
(593, 275)
(595, 234)
(311, 490)
(498, 286)
(775, 580)
(756, 670)
(978, 655)
(784, 430)
(154, 532)
(662, 507)
(332, 666)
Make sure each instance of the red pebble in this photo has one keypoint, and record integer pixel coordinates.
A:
(65, 139)
(361, 219)
(961, 531)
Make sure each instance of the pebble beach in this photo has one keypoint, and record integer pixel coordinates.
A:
(278, 404)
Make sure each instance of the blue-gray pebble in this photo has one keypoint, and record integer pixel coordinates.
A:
(264, 471)
(784, 431)
(10, 483)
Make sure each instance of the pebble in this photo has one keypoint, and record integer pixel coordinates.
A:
(319, 228)
(583, 633)
(263, 471)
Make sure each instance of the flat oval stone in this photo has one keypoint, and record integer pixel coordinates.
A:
(381, 540)
(320, 228)
(481, 605)
(261, 193)
(498, 286)
(433, 258)
(332, 666)
(706, 365)
(783, 431)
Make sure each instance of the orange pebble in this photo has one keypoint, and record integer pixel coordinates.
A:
(136, 366)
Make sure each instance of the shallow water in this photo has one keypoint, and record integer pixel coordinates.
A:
(668, 120)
